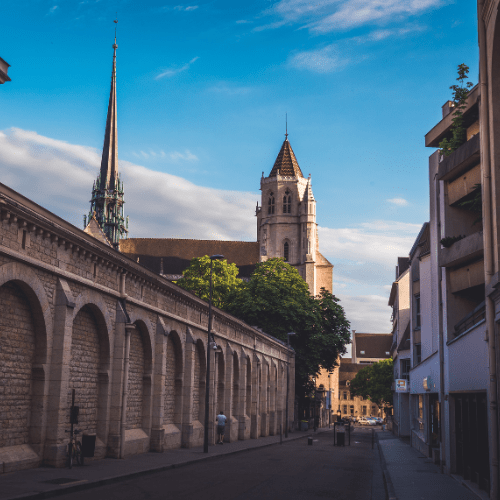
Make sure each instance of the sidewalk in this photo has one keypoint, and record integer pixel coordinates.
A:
(45, 482)
(409, 475)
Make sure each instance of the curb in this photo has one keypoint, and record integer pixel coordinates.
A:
(389, 487)
(130, 475)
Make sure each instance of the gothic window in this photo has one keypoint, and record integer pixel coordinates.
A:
(287, 203)
(270, 204)
(286, 251)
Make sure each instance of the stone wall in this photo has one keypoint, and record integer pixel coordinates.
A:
(72, 309)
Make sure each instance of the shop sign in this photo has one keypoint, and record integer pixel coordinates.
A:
(401, 385)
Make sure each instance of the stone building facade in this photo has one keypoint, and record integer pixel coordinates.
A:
(77, 314)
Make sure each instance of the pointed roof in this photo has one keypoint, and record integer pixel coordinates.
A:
(286, 164)
(109, 162)
(94, 229)
(308, 195)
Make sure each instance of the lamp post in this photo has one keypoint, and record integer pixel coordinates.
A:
(314, 407)
(287, 384)
(209, 342)
(329, 400)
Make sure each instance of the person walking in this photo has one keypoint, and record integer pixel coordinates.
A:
(221, 425)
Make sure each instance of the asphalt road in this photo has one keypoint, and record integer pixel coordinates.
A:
(294, 470)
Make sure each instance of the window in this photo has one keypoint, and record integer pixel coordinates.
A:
(351, 397)
(417, 311)
(364, 410)
(345, 395)
(351, 408)
(344, 408)
(287, 203)
(374, 410)
(286, 251)
(270, 203)
(405, 369)
(417, 353)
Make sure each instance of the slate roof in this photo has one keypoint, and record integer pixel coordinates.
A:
(94, 229)
(374, 345)
(169, 256)
(286, 164)
(348, 370)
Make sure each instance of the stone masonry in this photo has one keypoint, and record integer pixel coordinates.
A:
(77, 314)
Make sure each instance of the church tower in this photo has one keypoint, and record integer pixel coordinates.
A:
(286, 221)
(106, 205)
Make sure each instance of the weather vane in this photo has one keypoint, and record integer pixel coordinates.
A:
(286, 125)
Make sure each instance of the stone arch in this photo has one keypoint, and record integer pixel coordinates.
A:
(220, 381)
(88, 369)
(25, 334)
(248, 394)
(199, 382)
(139, 378)
(235, 396)
(173, 380)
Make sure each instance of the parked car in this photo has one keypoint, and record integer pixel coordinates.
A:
(366, 421)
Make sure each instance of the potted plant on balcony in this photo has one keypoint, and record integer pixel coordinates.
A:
(457, 129)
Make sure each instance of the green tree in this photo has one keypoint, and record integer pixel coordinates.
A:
(374, 382)
(196, 279)
(459, 96)
(277, 300)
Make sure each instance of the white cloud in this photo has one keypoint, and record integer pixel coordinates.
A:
(325, 60)
(185, 9)
(323, 16)
(174, 71)
(171, 156)
(59, 176)
(400, 202)
(228, 89)
(52, 9)
(367, 313)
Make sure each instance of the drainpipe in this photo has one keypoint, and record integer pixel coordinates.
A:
(442, 396)
(488, 248)
(128, 331)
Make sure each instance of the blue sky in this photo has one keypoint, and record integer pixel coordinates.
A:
(203, 89)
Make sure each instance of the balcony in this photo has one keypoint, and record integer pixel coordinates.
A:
(466, 250)
(472, 319)
(461, 160)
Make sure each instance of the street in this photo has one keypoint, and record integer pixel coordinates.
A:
(293, 470)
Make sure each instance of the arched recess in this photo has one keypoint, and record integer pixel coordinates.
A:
(273, 385)
(220, 380)
(248, 396)
(89, 369)
(235, 408)
(173, 380)
(199, 382)
(139, 379)
(287, 250)
(25, 337)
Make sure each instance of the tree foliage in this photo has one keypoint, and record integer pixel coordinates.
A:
(459, 96)
(196, 279)
(277, 300)
(374, 382)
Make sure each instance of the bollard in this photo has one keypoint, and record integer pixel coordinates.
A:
(310, 441)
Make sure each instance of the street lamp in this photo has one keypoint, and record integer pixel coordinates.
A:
(287, 384)
(209, 345)
(339, 414)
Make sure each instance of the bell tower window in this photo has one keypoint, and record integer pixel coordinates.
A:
(286, 251)
(287, 203)
(270, 204)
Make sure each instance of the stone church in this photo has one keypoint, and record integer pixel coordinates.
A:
(78, 315)
(286, 228)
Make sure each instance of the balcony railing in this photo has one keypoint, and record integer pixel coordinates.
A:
(466, 156)
(472, 319)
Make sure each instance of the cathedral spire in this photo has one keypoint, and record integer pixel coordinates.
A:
(106, 205)
(109, 161)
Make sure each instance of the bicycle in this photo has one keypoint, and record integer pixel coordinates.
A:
(75, 454)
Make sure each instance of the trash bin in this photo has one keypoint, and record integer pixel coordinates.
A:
(341, 439)
(88, 445)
